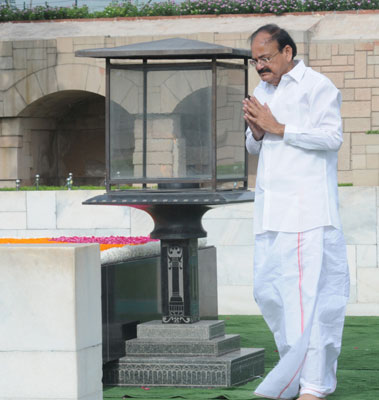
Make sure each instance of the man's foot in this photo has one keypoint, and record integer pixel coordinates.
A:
(310, 397)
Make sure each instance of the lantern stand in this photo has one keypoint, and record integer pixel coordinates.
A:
(181, 349)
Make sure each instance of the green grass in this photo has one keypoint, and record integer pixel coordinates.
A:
(374, 132)
(358, 373)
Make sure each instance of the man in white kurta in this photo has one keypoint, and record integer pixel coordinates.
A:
(301, 280)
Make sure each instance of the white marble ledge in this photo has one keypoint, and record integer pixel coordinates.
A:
(358, 209)
(235, 265)
(352, 261)
(367, 256)
(51, 233)
(55, 291)
(236, 300)
(72, 214)
(229, 232)
(41, 210)
(12, 220)
(149, 249)
(367, 285)
(141, 223)
(12, 201)
(235, 211)
(10, 233)
(352, 294)
(363, 310)
(239, 300)
(51, 375)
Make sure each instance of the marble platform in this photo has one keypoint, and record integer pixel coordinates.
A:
(50, 322)
(193, 355)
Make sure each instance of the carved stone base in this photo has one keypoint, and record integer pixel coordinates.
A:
(230, 369)
(161, 356)
(215, 347)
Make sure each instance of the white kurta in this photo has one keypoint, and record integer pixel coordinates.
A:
(301, 280)
(296, 186)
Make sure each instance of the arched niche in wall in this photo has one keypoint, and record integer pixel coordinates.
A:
(65, 132)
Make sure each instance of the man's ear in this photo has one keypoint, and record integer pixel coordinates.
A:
(288, 52)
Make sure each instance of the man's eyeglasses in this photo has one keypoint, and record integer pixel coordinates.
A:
(263, 60)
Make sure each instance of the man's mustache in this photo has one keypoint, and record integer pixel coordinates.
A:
(262, 71)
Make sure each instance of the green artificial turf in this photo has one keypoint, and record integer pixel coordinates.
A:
(358, 371)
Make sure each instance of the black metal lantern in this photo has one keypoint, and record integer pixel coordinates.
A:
(175, 131)
(174, 115)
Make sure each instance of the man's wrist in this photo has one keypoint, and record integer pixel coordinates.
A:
(256, 136)
(280, 130)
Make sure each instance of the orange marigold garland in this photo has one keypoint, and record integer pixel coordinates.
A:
(105, 243)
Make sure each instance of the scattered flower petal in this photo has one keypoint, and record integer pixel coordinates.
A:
(113, 248)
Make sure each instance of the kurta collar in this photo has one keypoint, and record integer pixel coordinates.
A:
(297, 71)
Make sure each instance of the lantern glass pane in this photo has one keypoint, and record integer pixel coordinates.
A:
(126, 104)
(230, 123)
(179, 116)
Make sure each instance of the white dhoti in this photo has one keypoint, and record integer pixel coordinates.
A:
(301, 284)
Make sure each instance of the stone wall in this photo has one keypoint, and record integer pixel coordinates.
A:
(354, 69)
(41, 86)
(230, 229)
(41, 79)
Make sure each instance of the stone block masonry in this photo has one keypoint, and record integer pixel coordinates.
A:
(37, 73)
(350, 65)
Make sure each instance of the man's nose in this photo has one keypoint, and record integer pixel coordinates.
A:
(259, 65)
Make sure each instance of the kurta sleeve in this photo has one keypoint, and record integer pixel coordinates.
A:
(325, 121)
(253, 146)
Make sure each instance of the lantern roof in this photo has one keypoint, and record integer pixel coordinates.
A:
(175, 48)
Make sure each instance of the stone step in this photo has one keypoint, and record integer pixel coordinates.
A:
(201, 330)
(235, 368)
(166, 347)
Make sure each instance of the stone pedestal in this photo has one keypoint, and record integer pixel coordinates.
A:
(140, 298)
(50, 322)
(181, 350)
(193, 355)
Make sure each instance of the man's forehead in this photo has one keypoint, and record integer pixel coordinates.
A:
(263, 39)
